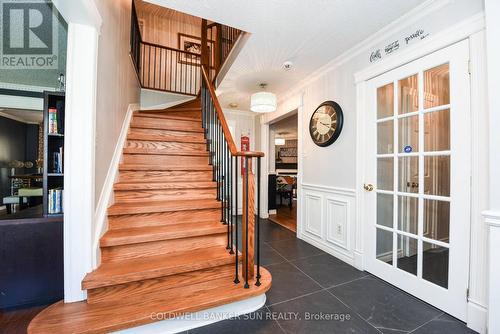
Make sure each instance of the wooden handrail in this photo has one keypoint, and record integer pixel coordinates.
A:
(225, 129)
(194, 55)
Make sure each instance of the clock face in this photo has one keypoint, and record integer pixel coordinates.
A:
(326, 123)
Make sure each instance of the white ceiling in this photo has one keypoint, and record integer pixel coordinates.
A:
(309, 33)
(23, 115)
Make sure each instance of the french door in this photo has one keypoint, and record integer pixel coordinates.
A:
(418, 178)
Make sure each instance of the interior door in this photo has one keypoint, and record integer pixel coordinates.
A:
(418, 157)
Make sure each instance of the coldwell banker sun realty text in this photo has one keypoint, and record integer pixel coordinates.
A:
(28, 35)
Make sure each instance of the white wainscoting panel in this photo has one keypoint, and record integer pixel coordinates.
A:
(337, 226)
(313, 214)
(328, 219)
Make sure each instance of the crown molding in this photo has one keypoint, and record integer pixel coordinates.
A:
(375, 39)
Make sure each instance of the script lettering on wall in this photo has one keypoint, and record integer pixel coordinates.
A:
(395, 45)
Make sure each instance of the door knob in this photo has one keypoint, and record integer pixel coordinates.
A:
(368, 187)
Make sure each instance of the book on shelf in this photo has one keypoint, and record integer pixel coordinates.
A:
(55, 202)
(53, 121)
(60, 116)
(57, 161)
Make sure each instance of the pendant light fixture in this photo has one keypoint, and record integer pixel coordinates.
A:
(263, 102)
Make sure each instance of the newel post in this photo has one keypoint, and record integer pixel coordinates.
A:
(204, 44)
(248, 204)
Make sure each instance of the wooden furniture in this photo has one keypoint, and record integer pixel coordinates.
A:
(53, 178)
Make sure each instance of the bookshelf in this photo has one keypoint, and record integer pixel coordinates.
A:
(53, 162)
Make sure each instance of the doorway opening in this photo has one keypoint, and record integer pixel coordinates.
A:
(283, 171)
(32, 146)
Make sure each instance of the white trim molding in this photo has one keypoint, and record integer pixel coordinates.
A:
(79, 158)
(327, 219)
(106, 197)
(198, 319)
(492, 220)
(478, 272)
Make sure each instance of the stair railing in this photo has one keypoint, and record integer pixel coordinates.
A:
(221, 39)
(163, 68)
(224, 158)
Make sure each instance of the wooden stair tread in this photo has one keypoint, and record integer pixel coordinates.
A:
(171, 125)
(155, 233)
(145, 287)
(168, 136)
(163, 218)
(180, 109)
(147, 267)
(111, 316)
(153, 151)
(147, 114)
(165, 185)
(162, 206)
(147, 167)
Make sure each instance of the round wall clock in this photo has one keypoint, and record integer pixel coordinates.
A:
(326, 123)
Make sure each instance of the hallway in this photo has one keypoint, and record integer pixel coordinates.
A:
(308, 281)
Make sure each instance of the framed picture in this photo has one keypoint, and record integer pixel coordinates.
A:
(192, 44)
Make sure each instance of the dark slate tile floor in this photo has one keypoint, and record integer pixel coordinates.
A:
(314, 292)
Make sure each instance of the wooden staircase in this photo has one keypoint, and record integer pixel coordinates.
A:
(165, 251)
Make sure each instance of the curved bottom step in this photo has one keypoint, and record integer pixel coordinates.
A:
(199, 319)
(106, 317)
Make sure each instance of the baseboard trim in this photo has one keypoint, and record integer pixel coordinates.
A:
(105, 199)
(327, 248)
(199, 319)
(477, 317)
(359, 260)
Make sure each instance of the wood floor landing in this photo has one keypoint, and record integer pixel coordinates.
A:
(105, 317)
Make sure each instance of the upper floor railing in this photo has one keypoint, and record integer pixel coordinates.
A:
(169, 69)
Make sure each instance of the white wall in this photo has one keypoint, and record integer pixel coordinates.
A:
(117, 86)
(243, 123)
(329, 181)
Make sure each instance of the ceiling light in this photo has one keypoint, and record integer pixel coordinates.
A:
(279, 141)
(263, 101)
(233, 105)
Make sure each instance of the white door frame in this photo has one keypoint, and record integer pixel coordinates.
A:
(472, 29)
(265, 123)
(84, 24)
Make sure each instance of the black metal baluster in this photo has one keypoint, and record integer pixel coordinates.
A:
(212, 141)
(231, 222)
(226, 180)
(154, 71)
(223, 175)
(257, 220)
(236, 278)
(246, 223)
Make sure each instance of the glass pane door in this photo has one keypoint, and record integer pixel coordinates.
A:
(413, 174)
